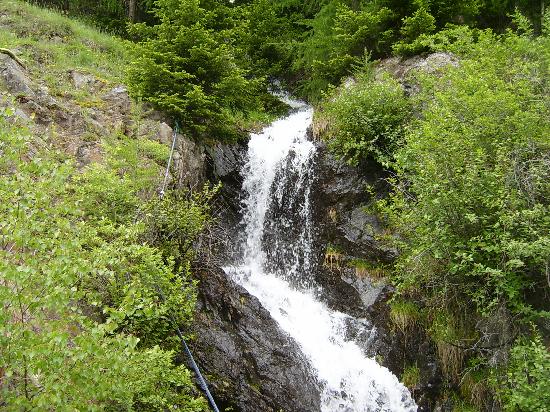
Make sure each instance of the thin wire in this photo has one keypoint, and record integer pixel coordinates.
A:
(174, 139)
(202, 381)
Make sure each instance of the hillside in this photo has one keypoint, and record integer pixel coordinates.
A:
(82, 324)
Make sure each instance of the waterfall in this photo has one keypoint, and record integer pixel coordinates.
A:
(276, 266)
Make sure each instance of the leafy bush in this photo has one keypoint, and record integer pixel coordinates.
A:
(366, 119)
(526, 383)
(413, 31)
(80, 313)
(465, 209)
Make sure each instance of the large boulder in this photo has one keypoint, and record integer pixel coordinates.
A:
(402, 69)
(250, 363)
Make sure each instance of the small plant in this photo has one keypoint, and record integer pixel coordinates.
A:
(366, 120)
(474, 386)
(332, 257)
(446, 334)
(525, 384)
(405, 315)
(411, 377)
(364, 268)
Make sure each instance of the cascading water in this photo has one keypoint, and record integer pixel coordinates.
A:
(276, 268)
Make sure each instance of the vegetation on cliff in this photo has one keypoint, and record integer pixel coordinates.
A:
(82, 324)
(86, 246)
(470, 206)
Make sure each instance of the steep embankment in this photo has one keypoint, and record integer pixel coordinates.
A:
(81, 324)
(460, 142)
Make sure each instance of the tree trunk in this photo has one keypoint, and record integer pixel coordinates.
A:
(541, 15)
(132, 10)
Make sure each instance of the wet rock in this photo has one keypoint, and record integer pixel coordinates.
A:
(346, 231)
(251, 364)
(369, 290)
(225, 159)
(397, 349)
(347, 234)
(224, 163)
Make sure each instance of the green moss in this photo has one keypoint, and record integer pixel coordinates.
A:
(411, 377)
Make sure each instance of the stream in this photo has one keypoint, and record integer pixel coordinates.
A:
(275, 265)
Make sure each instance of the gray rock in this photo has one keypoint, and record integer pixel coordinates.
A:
(225, 159)
(14, 79)
(118, 100)
(165, 134)
(251, 364)
(369, 291)
(81, 80)
(401, 69)
(341, 199)
(189, 164)
(34, 99)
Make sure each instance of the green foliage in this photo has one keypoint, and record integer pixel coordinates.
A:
(475, 208)
(109, 15)
(81, 319)
(51, 45)
(366, 119)
(339, 39)
(186, 66)
(472, 199)
(411, 377)
(175, 221)
(526, 384)
(414, 28)
(405, 315)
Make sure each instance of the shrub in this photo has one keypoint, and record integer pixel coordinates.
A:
(366, 120)
(80, 312)
(464, 210)
(526, 382)
(186, 66)
(412, 30)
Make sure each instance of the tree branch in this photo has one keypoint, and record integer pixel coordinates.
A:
(13, 56)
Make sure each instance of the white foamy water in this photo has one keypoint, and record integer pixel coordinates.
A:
(276, 263)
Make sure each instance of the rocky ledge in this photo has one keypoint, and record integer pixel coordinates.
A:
(251, 364)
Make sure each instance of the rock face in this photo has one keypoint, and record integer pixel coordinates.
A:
(80, 128)
(249, 362)
(401, 69)
(346, 232)
(353, 272)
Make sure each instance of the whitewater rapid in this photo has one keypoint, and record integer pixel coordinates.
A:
(275, 266)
